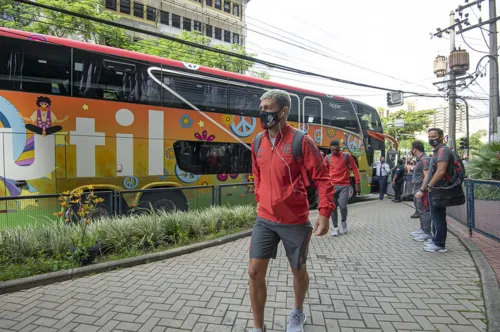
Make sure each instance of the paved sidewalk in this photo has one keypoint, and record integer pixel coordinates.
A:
(376, 278)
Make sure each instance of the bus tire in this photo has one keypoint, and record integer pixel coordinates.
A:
(100, 211)
(169, 201)
(352, 191)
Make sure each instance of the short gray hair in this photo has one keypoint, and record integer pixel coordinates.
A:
(281, 97)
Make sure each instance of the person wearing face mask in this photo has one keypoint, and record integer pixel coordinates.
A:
(282, 205)
(420, 195)
(339, 166)
(438, 172)
(383, 170)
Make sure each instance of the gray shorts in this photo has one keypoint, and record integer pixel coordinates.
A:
(266, 235)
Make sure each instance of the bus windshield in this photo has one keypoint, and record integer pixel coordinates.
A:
(369, 118)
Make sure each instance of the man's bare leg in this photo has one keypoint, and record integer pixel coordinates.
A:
(300, 285)
(258, 290)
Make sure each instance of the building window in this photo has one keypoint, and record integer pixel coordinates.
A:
(227, 36)
(111, 4)
(151, 13)
(209, 31)
(218, 33)
(164, 17)
(236, 9)
(138, 10)
(176, 21)
(186, 24)
(209, 3)
(227, 6)
(197, 26)
(125, 7)
(218, 4)
(236, 38)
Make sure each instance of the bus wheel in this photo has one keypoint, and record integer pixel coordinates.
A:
(100, 211)
(352, 192)
(167, 201)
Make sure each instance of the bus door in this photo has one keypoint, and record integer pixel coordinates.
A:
(312, 114)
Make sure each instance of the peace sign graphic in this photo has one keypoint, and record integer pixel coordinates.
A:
(318, 136)
(185, 177)
(130, 182)
(244, 128)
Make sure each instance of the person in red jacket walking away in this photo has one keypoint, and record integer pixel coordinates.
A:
(339, 166)
(282, 206)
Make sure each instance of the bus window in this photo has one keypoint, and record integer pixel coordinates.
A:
(34, 67)
(294, 109)
(209, 96)
(110, 78)
(212, 158)
(340, 113)
(312, 110)
(369, 119)
(244, 100)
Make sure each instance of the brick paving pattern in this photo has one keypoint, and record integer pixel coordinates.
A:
(376, 278)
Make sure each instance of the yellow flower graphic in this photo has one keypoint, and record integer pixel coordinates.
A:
(294, 124)
(170, 153)
(227, 119)
(204, 181)
(330, 132)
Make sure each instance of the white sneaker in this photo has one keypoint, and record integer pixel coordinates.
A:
(423, 237)
(344, 227)
(417, 233)
(434, 248)
(335, 231)
(428, 242)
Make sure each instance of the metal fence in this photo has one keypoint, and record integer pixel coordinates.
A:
(481, 212)
(37, 209)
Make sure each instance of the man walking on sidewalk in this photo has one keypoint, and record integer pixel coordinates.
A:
(420, 195)
(282, 205)
(339, 166)
(383, 170)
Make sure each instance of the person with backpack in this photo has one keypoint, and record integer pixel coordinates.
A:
(339, 166)
(284, 162)
(444, 184)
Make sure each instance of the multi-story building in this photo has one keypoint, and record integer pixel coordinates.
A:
(221, 20)
(440, 120)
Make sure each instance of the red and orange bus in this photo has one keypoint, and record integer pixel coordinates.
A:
(74, 114)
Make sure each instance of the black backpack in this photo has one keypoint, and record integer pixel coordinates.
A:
(452, 193)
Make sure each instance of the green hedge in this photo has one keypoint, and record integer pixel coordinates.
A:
(32, 250)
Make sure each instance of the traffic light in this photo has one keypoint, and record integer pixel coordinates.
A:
(464, 143)
(395, 98)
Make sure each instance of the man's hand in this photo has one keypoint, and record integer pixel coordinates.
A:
(321, 226)
(357, 187)
(419, 194)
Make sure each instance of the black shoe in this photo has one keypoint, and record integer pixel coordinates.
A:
(415, 215)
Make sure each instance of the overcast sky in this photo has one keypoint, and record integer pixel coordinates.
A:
(388, 38)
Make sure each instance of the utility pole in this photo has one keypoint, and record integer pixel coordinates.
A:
(494, 115)
(452, 90)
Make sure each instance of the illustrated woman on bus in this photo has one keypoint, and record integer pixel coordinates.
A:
(43, 118)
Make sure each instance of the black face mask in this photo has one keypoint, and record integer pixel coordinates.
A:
(269, 119)
(433, 142)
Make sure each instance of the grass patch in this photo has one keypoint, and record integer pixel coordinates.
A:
(31, 250)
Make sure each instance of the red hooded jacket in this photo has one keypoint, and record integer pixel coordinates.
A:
(339, 172)
(279, 185)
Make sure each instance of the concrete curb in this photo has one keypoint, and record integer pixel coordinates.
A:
(491, 289)
(53, 277)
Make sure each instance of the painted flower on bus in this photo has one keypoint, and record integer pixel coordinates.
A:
(204, 181)
(186, 121)
(170, 153)
(330, 132)
(293, 124)
(227, 119)
(224, 177)
(204, 136)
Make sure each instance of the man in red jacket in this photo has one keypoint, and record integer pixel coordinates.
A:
(282, 206)
(339, 166)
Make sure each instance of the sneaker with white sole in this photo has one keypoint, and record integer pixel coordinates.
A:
(297, 321)
(417, 233)
(344, 227)
(434, 248)
(335, 231)
(428, 242)
(423, 237)
(258, 330)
